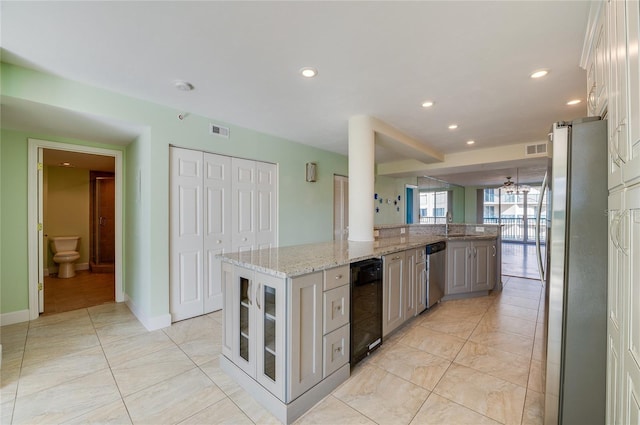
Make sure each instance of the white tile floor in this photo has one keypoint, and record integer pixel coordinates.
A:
(473, 361)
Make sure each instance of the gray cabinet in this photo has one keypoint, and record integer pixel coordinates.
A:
(409, 292)
(421, 280)
(471, 266)
(393, 286)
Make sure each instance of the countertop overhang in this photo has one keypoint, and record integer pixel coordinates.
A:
(297, 260)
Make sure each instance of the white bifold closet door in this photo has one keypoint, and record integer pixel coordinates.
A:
(218, 204)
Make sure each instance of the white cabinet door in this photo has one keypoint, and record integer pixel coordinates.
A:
(631, 360)
(266, 215)
(243, 204)
(631, 169)
(617, 112)
(458, 278)
(217, 225)
(393, 292)
(305, 327)
(411, 280)
(270, 302)
(481, 266)
(615, 308)
(186, 248)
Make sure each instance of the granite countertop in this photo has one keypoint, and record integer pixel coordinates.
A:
(291, 261)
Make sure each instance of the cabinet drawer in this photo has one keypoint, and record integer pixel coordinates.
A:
(336, 277)
(336, 309)
(335, 347)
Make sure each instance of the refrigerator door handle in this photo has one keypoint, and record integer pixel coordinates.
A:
(538, 228)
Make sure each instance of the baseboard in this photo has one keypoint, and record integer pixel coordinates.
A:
(14, 317)
(151, 323)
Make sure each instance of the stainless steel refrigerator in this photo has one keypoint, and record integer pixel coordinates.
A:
(576, 279)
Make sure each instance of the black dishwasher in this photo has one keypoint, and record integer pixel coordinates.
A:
(366, 308)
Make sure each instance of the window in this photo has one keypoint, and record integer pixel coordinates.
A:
(434, 206)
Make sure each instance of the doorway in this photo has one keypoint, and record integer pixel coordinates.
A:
(67, 211)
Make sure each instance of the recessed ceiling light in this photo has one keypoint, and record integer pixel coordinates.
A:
(453, 126)
(183, 85)
(539, 74)
(65, 164)
(427, 104)
(309, 72)
(470, 142)
(574, 102)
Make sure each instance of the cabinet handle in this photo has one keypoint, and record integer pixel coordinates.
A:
(619, 224)
(258, 295)
(244, 239)
(494, 250)
(475, 252)
(337, 350)
(338, 307)
(339, 277)
(219, 241)
(395, 258)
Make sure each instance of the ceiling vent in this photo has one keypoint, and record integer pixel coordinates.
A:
(537, 149)
(218, 130)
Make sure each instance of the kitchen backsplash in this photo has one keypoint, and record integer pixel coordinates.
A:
(395, 230)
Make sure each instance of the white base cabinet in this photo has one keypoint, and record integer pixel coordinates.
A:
(286, 339)
(471, 266)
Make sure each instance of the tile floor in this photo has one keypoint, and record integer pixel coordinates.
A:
(520, 260)
(472, 361)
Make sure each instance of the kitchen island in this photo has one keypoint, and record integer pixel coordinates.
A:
(286, 316)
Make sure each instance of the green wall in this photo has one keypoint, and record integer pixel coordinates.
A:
(305, 209)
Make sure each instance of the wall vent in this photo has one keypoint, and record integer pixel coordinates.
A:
(218, 130)
(536, 149)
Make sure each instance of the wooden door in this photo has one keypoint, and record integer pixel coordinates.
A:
(186, 233)
(217, 225)
(243, 180)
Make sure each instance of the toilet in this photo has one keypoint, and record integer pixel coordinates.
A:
(65, 253)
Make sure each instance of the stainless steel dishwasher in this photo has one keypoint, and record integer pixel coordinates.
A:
(436, 272)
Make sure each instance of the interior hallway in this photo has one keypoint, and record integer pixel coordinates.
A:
(475, 360)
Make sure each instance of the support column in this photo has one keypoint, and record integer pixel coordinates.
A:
(361, 178)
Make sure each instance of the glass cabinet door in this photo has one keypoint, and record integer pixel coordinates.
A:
(244, 338)
(270, 302)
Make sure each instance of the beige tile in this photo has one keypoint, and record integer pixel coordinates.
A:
(113, 413)
(250, 407)
(59, 340)
(67, 401)
(440, 411)
(123, 350)
(433, 342)
(490, 323)
(539, 349)
(193, 329)
(217, 316)
(78, 317)
(460, 328)
(110, 314)
(501, 364)
(108, 333)
(13, 337)
(174, 399)
(512, 343)
(519, 293)
(533, 409)
(219, 377)
(493, 397)
(381, 396)
(517, 301)
(508, 310)
(536, 377)
(416, 366)
(38, 376)
(142, 372)
(6, 411)
(9, 383)
(222, 412)
(204, 349)
(333, 411)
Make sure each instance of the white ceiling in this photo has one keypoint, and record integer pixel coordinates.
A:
(473, 58)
